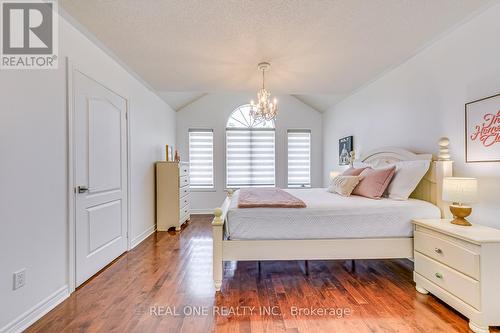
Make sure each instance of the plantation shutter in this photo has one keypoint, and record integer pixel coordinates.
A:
(201, 158)
(250, 157)
(299, 158)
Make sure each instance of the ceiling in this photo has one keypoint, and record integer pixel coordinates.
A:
(320, 50)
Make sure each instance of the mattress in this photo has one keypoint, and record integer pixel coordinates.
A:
(327, 215)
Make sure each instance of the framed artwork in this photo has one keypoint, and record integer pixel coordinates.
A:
(482, 130)
(345, 148)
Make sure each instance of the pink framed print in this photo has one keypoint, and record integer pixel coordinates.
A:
(482, 130)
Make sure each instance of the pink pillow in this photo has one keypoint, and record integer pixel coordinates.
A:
(374, 182)
(353, 171)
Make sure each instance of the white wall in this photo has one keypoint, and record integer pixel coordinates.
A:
(422, 100)
(213, 110)
(33, 155)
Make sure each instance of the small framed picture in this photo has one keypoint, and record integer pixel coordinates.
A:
(345, 148)
(482, 130)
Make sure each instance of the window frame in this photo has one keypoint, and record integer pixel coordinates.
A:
(225, 155)
(299, 130)
(214, 177)
(269, 129)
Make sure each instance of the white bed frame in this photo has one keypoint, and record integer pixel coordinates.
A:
(429, 189)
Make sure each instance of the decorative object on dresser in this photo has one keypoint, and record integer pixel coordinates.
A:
(168, 153)
(345, 149)
(460, 266)
(172, 195)
(482, 130)
(459, 191)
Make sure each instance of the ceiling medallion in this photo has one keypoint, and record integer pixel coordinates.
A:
(264, 109)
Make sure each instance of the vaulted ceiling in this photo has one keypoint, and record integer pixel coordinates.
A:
(320, 50)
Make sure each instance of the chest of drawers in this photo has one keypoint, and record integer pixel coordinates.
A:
(461, 266)
(172, 195)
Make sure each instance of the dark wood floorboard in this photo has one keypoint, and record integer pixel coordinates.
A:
(165, 285)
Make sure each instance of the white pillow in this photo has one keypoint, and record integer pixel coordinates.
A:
(360, 165)
(408, 175)
(343, 185)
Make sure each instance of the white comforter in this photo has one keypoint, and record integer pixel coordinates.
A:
(328, 215)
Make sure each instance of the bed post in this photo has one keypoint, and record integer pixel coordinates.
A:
(443, 169)
(431, 187)
(217, 229)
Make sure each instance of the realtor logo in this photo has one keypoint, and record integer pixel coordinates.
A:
(29, 34)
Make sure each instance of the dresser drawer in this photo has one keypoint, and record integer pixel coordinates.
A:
(185, 200)
(184, 213)
(454, 282)
(448, 253)
(183, 181)
(183, 191)
(183, 169)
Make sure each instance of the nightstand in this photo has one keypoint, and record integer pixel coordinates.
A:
(461, 266)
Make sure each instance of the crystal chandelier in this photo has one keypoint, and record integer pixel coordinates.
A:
(264, 109)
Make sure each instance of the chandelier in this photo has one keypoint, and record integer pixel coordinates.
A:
(264, 109)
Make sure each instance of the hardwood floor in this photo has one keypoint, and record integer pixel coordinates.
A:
(165, 285)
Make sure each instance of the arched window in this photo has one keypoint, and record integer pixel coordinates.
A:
(250, 150)
(240, 118)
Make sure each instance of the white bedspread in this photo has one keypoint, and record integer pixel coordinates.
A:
(328, 215)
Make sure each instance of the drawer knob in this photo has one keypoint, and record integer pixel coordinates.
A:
(439, 275)
(438, 250)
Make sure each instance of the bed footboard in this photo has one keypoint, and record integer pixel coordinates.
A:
(218, 237)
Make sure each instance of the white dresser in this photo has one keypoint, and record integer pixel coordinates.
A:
(172, 195)
(461, 266)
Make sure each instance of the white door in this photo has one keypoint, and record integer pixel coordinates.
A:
(100, 169)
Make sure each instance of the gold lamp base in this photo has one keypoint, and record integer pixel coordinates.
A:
(459, 214)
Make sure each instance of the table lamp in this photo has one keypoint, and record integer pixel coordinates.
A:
(334, 174)
(460, 191)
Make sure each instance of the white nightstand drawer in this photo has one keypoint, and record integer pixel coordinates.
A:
(456, 283)
(448, 253)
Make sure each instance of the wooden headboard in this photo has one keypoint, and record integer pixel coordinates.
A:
(430, 187)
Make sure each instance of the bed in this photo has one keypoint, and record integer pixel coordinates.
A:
(332, 226)
(327, 215)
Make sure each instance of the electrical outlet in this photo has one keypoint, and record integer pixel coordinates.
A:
(19, 279)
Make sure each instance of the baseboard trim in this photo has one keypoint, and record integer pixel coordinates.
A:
(145, 234)
(202, 211)
(36, 312)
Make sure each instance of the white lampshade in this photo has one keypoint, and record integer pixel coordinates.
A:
(460, 190)
(334, 174)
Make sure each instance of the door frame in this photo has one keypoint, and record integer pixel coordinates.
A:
(71, 67)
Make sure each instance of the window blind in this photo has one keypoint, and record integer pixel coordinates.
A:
(201, 158)
(299, 158)
(250, 157)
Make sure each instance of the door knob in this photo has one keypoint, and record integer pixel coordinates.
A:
(82, 189)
